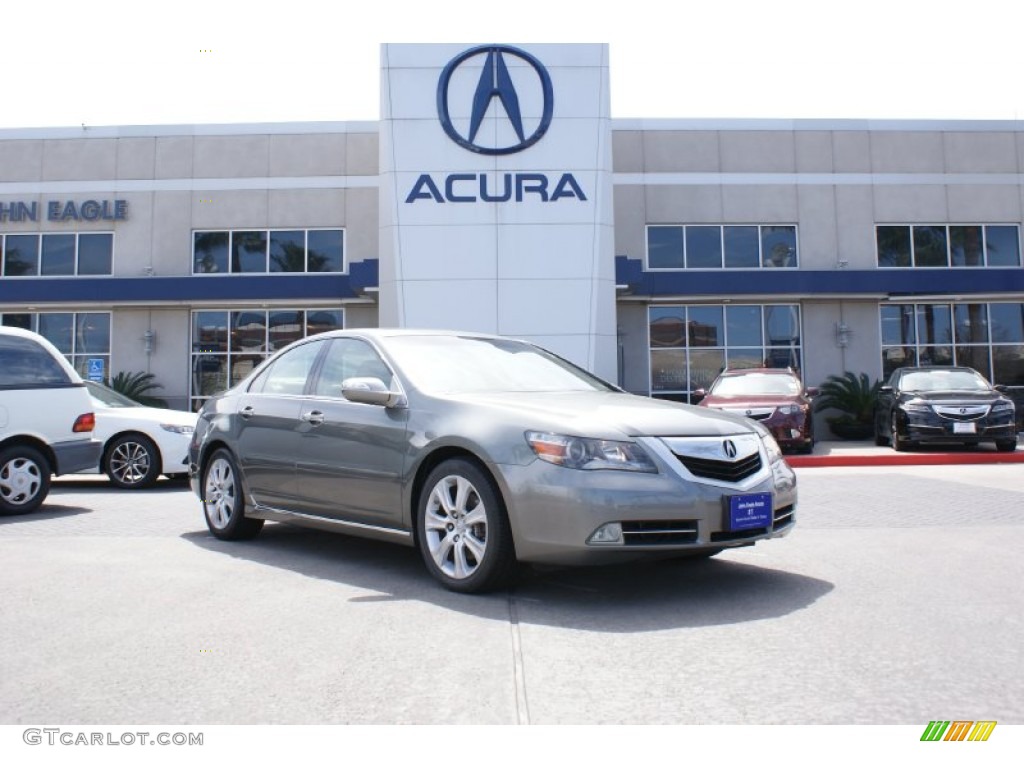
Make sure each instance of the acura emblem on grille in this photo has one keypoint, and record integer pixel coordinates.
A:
(730, 448)
(963, 410)
(749, 411)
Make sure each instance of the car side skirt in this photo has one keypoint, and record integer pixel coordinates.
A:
(330, 524)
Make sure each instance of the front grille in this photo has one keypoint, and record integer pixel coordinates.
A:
(953, 412)
(726, 471)
(758, 414)
(651, 532)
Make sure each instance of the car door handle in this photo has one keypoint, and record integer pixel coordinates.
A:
(316, 418)
(246, 412)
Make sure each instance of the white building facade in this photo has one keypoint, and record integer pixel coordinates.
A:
(497, 194)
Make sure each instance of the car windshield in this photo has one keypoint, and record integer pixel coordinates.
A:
(944, 380)
(108, 398)
(466, 364)
(756, 384)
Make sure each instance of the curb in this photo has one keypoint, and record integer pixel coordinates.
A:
(894, 459)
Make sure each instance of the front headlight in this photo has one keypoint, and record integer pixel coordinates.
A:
(790, 410)
(178, 429)
(771, 447)
(589, 453)
(915, 407)
(1002, 405)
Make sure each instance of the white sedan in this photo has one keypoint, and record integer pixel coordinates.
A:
(139, 443)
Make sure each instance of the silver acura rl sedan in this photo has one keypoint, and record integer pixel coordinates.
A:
(483, 452)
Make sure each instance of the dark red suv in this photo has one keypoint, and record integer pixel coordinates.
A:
(773, 396)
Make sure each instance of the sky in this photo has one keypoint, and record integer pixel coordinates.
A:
(158, 62)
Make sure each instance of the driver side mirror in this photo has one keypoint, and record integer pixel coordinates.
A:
(370, 390)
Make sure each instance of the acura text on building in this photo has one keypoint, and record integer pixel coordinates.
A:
(495, 84)
(477, 187)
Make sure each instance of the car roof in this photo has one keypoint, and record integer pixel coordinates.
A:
(769, 371)
(909, 368)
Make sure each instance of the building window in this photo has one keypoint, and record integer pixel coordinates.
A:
(262, 251)
(228, 344)
(730, 246)
(691, 344)
(954, 245)
(986, 337)
(82, 337)
(57, 254)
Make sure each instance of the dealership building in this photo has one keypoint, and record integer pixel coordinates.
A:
(497, 193)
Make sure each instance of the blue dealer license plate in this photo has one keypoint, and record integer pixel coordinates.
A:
(750, 510)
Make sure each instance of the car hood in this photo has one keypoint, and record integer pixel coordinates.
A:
(609, 415)
(951, 396)
(749, 401)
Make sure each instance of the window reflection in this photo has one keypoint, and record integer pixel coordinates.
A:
(716, 336)
(229, 345)
(986, 337)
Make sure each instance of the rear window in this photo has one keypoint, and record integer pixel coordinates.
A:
(24, 364)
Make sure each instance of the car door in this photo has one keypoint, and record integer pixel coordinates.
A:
(351, 456)
(267, 426)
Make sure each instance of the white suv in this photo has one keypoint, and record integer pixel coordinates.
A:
(46, 420)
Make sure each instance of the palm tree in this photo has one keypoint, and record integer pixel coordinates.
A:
(137, 386)
(854, 397)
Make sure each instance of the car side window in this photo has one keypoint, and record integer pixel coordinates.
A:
(346, 359)
(25, 364)
(288, 374)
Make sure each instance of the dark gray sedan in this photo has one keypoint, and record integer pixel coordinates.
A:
(483, 452)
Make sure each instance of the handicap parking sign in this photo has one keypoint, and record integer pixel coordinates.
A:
(96, 369)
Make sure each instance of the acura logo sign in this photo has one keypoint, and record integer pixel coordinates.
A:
(730, 448)
(495, 87)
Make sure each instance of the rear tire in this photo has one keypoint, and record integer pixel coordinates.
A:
(462, 529)
(24, 479)
(224, 499)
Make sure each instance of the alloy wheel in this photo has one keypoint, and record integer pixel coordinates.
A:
(455, 527)
(130, 462)
(220, 493)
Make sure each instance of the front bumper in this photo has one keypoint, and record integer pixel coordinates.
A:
(925, 427)
(554, 511)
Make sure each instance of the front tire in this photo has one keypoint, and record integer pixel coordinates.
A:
(462, 529)
(1006, 446)
(880, 439)
(24, 479)
(224, 499)
(898, 443)
(132, 461)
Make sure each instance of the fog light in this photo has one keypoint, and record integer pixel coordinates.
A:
(609, 533)
(794, 433)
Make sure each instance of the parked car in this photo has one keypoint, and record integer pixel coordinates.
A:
(773, 396)
(943, 404)
(482, 452)
(46, 420)
(139, 443)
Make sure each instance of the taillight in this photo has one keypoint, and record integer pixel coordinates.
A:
(85, 423)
